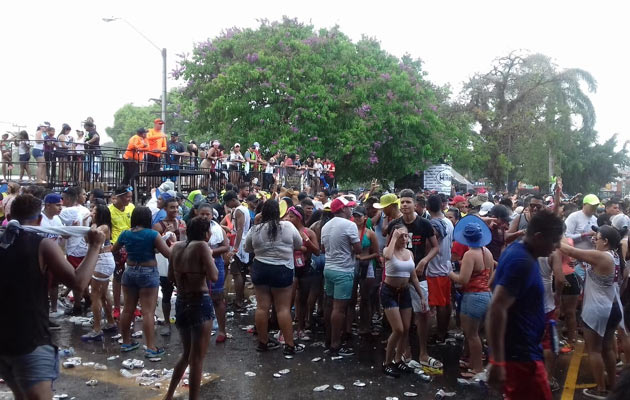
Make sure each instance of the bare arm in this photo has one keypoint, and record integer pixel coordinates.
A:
(429, 256)
(240, 225)
(593, 257)
(496, 322)
(161, 246)
(312, 244)
(52, 257)
(224, 248)
(466, 269)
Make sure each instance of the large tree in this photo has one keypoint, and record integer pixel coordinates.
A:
(536, 120)
(292, 88)
(129, 118)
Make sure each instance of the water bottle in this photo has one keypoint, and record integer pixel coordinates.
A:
(65, 353)
(555, 342)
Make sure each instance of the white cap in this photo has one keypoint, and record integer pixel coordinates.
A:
(485, 208)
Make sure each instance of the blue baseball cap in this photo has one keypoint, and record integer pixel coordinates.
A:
(52, 198)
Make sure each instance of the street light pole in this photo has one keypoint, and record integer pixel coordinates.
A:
(162, 52)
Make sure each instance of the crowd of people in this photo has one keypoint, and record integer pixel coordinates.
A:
(77, 156)
(505, 274)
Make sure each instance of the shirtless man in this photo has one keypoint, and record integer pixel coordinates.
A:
(190, 265)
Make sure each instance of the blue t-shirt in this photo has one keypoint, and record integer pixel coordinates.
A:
(140, 245)
(519, 274)
(159, 216)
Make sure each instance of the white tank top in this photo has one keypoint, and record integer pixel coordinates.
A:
(600, 292)
(546, 274)
(396, 268)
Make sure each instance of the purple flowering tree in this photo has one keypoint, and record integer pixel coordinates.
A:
(291, 87)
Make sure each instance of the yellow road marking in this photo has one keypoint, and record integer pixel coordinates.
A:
(586, 385)
(572, 373)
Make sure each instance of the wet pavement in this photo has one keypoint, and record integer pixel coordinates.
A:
(226, 365)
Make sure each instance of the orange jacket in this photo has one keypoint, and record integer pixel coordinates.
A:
(136, 148)
(157, 142)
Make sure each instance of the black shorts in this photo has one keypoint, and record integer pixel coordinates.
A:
(392, 297)
(167, 289)
(238, 267)
(575, 285)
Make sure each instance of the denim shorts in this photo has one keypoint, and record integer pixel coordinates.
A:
(24, 157)
(274, 276)
(217, 287)
(42, 364)
(339, 284)
(318, 262)
(38, 153)
(141, 277)
(392, 297)
(191, 313)
(475, 304)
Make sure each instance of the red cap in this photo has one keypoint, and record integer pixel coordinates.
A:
(158, 121)
(481, 190)
(339, 203)
(457, 199)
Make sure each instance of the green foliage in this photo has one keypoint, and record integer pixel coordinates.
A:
(291, 88)
(130, 118)
(530, 112)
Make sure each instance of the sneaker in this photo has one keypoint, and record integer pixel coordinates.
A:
(553, 383)
(391, 370)
(262, 347)
(137, 313)
(110, 328)
(52, 326)
(158, 352)
(414, 364)
(165, 330)
(129, 347)
(279, 337)
(55, 314)
(402, 367)
(291, 350)
(116, 313)
(346, 351)
(595, 394)
(92, 336)
(272, 344)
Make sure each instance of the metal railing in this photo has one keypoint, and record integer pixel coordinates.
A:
(105, 168)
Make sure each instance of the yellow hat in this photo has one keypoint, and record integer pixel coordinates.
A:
(591, 199)
(387, 200)
(283, 208)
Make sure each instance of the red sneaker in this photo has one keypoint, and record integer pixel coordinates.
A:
(116, 313)
(137, 313)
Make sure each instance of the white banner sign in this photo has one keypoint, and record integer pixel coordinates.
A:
(438, 177)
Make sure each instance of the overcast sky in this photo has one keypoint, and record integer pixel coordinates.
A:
(62, 63)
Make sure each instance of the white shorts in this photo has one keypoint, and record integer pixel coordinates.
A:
(420, 305)
(105, 265)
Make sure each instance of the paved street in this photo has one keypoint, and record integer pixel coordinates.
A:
(226, 365)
